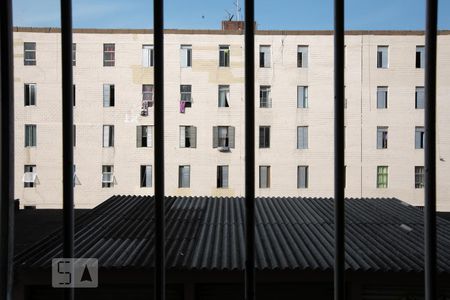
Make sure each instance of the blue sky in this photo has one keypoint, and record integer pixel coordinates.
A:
(207, 14)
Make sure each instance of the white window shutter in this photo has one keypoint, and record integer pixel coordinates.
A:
(106, 95)
(193, 135)
(139, 136)
(105, 136)
(150, 136)
(182, 136)
(215, 137)
(231, 136)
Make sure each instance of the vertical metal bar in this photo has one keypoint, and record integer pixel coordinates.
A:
(67, 134)
(339, 219)
(250, 149)
(430, 149)
(158, 36)
(7, 151)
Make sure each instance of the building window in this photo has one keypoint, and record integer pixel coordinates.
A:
(30, 94)
(148, 56)
(186, 56)
(264, 136)
(302, 177)
(223, 137)
(224, 95)
(107, 176)
(30, 135)
(419, 177)
(144, 136)
(74, 135)
(188, 137)
(185, 97)
(382, 177)
(382, 97)
(420, 57)
(302, 56)
(29, 176)
(109, 55)
(264, 177)
(74, 54)
(420, 97)
(29, 55)
(264, 56)
(147, 98)
(302, 137)
(108, 95)
(224, 56)
(184, 176)
(265, 99)
(382, 57)
(420, 137)
(302, 97)
(146, 176)
(108, 136)
(382, 137)
(222, 177)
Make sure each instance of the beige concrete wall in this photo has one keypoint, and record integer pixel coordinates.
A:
(362, 116)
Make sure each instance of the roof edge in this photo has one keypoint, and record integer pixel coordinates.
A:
(224, 32)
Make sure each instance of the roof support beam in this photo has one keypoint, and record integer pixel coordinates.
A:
(339, 136)
(249, 149)
(6, 151)
(430, 149)
(67, 135)
(158, 37)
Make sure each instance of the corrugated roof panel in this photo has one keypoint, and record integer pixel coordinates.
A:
(206, 233)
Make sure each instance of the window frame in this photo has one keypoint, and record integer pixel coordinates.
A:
(419, 137)
(181, 176)
(265, 56)
(224, 89)
(382, 177)
(382, 57)
(30, 94)
(224, 56)
(382, 91)
(144, 136)
(30, 169)
(108, 136)
(222, 180)
(264, 137)
(302, 56)
(303, 137)
(420, 57)
(303, 184)
(27, 61)
(109, 55)
(186, 56)
(419, 177)
(109, 89)
(382, 137)
(108, 169)
(30, 136)
(144, 182)
(420, 90)
(267, 179)
(265, 96)
(148, 56)
(302, 96)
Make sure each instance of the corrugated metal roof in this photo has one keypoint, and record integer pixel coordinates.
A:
(206, 233)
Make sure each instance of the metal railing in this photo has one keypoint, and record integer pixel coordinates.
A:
(7, 148)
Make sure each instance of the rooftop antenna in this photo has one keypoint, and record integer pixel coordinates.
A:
(238, 10)
(230, 15)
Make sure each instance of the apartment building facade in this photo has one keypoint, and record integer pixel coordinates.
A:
(204, 114)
